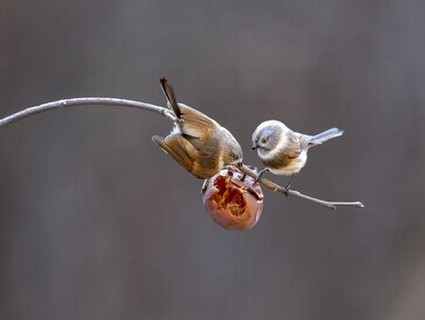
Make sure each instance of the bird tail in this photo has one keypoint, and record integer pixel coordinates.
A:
(171, 97)
(325, 136)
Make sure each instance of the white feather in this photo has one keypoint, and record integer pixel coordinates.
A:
(296, 164)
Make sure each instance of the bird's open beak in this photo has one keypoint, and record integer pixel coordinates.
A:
(255, 146)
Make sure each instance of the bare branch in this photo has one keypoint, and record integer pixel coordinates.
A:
(77, 102)
(115, 102)
(277, 188)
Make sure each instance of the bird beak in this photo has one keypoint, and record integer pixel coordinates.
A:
(255, 146)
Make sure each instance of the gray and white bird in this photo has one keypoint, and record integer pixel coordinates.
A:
(283, 151)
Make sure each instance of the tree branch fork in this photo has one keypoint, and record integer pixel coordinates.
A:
(165, 112)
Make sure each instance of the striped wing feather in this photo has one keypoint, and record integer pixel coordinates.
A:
(195, 123)
(181, 149)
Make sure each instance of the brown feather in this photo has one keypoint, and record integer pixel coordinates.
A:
(178, 148)
(171, 96)
(195, 123)
(197, 142)
(199, 162)
(292, 153)
(282, 159)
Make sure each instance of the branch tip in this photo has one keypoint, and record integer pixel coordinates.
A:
(277, 188)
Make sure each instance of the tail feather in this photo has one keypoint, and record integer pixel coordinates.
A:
(325, 136)
(171, 96)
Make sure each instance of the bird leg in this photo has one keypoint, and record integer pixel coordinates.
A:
(260, 174)
(286, 188)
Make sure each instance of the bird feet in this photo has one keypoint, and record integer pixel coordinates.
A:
(260, 174)
(288, 185)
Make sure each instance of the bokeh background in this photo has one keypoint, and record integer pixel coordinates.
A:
(96, 222)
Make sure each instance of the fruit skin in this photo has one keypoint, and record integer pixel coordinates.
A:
(234, 201)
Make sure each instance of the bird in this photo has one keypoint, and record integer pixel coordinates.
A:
(283, 151)
(197, 142)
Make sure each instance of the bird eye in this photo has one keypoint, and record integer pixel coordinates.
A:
(264, 140)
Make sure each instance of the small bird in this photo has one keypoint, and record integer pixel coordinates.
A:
(197, 142)
(283, 151)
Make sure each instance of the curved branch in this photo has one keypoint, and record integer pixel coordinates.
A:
(76, 102)
(115, 102)
(277, 188)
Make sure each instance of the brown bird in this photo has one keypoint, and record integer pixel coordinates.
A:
(197, 142)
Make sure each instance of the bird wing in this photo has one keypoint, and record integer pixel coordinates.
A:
(293, 146)
(178, 148)
(184, 153)
(196, 124)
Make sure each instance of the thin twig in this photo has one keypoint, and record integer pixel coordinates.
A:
(277, 188)
(77, 102)
(115, 102)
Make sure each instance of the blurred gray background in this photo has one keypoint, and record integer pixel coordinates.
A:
(96, 222)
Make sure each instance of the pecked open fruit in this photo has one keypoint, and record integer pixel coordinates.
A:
(233, 200)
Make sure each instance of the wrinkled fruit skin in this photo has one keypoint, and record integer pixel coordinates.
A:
(233, 200)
